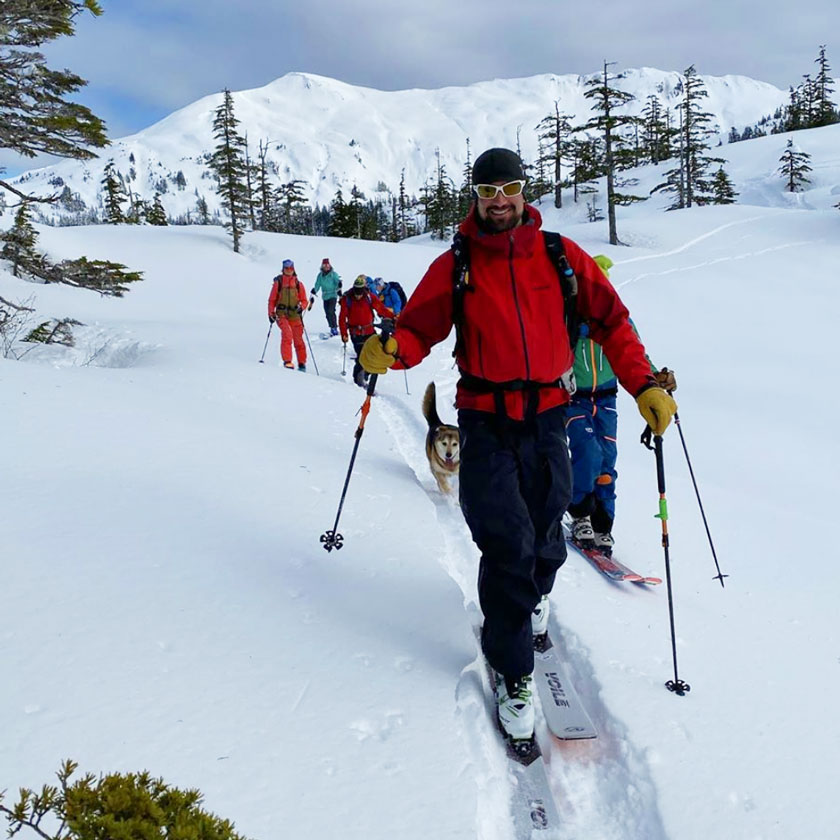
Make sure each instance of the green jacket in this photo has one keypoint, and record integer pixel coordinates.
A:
(592, 370)
(328, 283)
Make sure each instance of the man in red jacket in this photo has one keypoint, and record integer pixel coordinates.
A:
(355, 320)
(515, 356)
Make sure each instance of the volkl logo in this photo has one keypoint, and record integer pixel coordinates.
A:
(558, 693)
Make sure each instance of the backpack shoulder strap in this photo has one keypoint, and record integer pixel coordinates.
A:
(460, 284)
(568, 283)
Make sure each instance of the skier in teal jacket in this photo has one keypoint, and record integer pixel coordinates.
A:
(329, 284)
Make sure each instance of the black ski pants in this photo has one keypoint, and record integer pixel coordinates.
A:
(515, 484)
(360, 376)
(329, 311)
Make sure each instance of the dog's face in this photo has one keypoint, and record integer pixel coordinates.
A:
(447, 446)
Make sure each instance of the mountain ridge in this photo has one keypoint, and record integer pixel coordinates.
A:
(332, 134)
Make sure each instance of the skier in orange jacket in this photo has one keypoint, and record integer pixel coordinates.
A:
(285, 307)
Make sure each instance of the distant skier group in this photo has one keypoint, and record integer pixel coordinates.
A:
(287, 305)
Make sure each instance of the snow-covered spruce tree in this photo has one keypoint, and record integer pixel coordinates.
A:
(691, 180)
(155, 214)
(229, 166)
(605, 100)
(723, 191)
(35, 116)
(290, 206)
(553, 131)
(19, 241)
(340, 222)
(794, 167)
(113, 195)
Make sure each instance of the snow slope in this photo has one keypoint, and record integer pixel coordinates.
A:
(332, 134)
(166, 603)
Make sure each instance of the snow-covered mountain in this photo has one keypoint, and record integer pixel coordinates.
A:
(331, 134)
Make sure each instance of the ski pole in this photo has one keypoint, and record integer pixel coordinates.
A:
(310, 346)
(676, 685)
(332, 539)
(719, 576)
(344, 362)
(406, 382)
(262, 358)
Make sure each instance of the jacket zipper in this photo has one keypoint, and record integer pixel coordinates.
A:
(519, 312)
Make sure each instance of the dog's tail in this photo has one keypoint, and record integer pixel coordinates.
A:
(430, 407)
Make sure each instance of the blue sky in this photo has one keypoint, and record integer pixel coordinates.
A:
(144, 59)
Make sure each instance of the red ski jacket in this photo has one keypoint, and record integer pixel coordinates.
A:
(356, 314)
(513, 325)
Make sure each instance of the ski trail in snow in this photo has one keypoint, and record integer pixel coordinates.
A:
(603, 788)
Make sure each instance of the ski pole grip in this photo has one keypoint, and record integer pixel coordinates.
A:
(660, 462)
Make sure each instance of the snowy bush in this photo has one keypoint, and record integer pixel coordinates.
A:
(117, 806)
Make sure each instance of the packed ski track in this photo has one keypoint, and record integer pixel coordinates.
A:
(602, 787)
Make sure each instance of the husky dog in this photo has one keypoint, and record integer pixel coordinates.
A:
(442, 443)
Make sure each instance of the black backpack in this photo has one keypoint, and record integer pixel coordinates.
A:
(568, 284)
(399, 290)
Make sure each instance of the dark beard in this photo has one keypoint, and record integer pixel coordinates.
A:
(486, 225)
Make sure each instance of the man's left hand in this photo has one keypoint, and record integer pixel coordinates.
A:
(376, 358)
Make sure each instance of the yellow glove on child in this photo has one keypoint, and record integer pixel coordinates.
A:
(657, 407)
(375, 358)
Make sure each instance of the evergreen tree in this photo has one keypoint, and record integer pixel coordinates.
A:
(35, 116)
(794, 167)
(691, 181)
(156, 215)
(553, 131)
(19, 241)
(657, 134)
(723, 191)
(114, 195)
(465, 194)
(825, 111)
(341, 223)
(290, 203)
(440, 202)
(605, 100)
(229, 165)
(202, 210)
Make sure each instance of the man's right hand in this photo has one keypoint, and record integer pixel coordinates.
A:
(666, 380)
(344, 338)
(271, 318)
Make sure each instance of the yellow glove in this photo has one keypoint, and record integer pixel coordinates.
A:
(657, 407)
(375, 358)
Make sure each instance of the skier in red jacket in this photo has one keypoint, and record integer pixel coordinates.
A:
(355, 320)
(515, 358)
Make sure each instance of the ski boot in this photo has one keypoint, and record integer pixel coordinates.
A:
(539, 623)
(604, 543)
(515, 709)
(582, 532)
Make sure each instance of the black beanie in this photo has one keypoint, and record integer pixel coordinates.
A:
(497, 165)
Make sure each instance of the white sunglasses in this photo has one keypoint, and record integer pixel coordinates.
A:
(510, 189)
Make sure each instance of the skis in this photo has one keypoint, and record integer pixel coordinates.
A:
(532, 803)
(609, 566)
(564, 714)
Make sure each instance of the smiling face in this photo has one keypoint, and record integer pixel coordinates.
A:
(501, 212)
